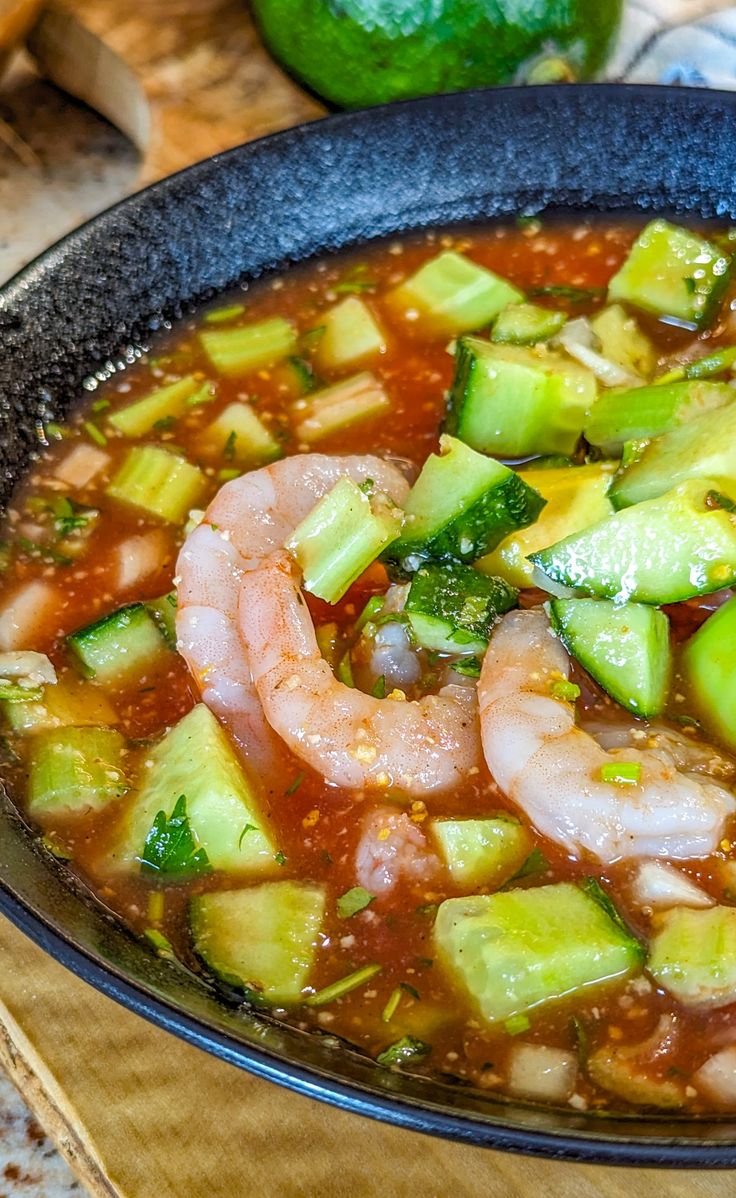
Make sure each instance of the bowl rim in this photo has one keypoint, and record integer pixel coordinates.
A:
(594, 1146)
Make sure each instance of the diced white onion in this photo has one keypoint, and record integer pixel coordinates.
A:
(656, 884)
(140, 556)
(35, 669)
(29, 607)
(716, 1079)
(81, 465)
(579, 340)
(538, 1071)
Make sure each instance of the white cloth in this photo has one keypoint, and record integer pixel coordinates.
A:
(690, 43)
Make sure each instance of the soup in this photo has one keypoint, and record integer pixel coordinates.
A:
(366, 647)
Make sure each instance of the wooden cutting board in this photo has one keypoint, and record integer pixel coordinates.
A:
(182, 78)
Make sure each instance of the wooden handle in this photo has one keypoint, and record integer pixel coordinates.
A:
(183, 79)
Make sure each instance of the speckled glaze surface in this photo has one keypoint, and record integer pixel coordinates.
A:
(348, 178)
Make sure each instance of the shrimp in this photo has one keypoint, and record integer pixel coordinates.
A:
(352, 739)
(391, 847)
(247, 520)
(551, 768)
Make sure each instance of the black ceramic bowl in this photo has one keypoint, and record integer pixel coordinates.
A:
(82, 305)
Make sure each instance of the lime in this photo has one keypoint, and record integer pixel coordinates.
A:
(360, 52)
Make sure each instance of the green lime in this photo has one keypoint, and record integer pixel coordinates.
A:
(361, 52)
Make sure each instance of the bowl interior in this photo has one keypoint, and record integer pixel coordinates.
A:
(83, 308)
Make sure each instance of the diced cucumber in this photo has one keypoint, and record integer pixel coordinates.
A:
(159, 482)
(165, 403)
(514, 402)
(482, 852)
(452, 607)
(196, 759)
(575, 498)
(70, 701)
(693, 955)
(351, 334)
(451, 294)
(645, 412)
(623, 342)
(331, 409)
(239, 436)
(461, 506)
(127, 641)
(237, 351)
(517, 949)
(75, 770)
(708, 666)
(163, 611)
(341, 536)
(626, 648)
(526, 324)
(662, 551)
(263, 938)
(705, 447)
(673, 273)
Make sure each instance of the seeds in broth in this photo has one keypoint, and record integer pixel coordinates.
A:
(366, 646)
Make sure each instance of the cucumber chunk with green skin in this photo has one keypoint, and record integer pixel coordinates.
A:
(163, 611)
(452, 294)
(646, 412)
(693, 955)
(663, 551)
(482, 852)
(673, 273)
(626, 648)
(72, 771)
(166, 403)
(514, 402)
(623, 342)
(196, 759)
(526, 324)
(127, 641)
(708, 668)
(263, 939)
(576, 497)
(238, 351)
(159, 482)
(705, 447)
(452, 608)
(516, 950)
(460, 507)
(341, 536)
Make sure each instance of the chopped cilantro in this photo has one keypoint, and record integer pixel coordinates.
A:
(404, 1051)
(574, 295)
(469, 667)
(379, 688)
(170, 846)
(280, 858)
(517, 1024)
(294, 786)
(229, 450)
(353, 901)
(248, 828)
(536, 863)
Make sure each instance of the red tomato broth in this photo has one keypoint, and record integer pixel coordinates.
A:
(318, 825)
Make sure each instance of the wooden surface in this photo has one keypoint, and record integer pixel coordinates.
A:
(182, 78)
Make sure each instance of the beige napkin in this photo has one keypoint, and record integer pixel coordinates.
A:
(141, 1115)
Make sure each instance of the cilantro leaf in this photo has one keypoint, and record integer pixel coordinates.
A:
(353, 901)
(170, 846)
(404, 1051)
